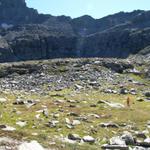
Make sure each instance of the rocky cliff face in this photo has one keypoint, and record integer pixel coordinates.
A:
(6, 53)
(116, 43)
(27, 35)
(39, 41)
(16, 12)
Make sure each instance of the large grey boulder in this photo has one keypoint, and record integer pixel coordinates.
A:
(128, 138)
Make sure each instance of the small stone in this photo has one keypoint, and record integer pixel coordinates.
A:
(72, 106)
(67, 121)
(2, 126)
(56, 115)
(76, 122)
(37, 116)
(95, 116)
(18, 112)
(145, 143)
(93, 105)
(30, 103)
(123, 91)
(78, 87)
(34, 134)
(108, 91)
(8, 128)
(109, 125)
(3, 100)
(74, 137)
(140, 99)
(19, 102)
(72, 101)
(66, 140)
(69, 126)
(52, 123)
(113, 105)
(21, 123)
(147, 140)
(135, 71)
(88, 139)
(73, 114)
(45, 113)
(147, 94)
(148, 123)
(117, 141)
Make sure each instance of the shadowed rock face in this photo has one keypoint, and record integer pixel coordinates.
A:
(16, 12)
(27, 35)
(116, 43)
(6, 53)
(40, 41)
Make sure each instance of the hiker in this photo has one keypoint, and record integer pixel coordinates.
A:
(128, 101)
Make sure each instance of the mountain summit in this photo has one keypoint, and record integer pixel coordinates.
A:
(25, 34)
(16, 12)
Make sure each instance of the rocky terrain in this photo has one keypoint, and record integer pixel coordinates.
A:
(75, 104)
(32, 36)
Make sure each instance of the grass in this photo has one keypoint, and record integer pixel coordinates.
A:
(137, 115)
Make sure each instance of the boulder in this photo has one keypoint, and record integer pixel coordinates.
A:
(3, 100)
(52, 123)
(139, 148)
(88, 139)
(113, 105)
(33, 145)
(75, 137)
(46, 113)
(109, 125)
(21, 123)
(147, 94)
(123, 91)
(7, 128)
(117, 141)
(145, 143)
(128, 138)
(76, 122)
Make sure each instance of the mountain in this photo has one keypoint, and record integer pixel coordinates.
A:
(16, 12)
(25, 34)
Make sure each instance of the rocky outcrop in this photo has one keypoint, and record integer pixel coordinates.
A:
(6, 53)
(39, 42)
(116, 43)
